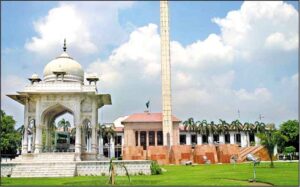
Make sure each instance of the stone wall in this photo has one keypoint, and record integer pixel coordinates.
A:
(159, 154)
(89, 168)
(225, 151)
(180, 154)
(205, 150)
(133, 153)
(134, 167)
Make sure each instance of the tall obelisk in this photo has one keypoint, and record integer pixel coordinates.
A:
(166, 74)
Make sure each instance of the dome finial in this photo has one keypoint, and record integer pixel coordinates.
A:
(65, 45)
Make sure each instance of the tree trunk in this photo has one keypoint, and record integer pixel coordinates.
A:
(271, 158)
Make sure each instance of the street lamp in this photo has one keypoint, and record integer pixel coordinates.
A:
(250, 157)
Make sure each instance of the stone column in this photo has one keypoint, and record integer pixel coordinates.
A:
(167, 124)
(243, 139)
(139, 138)
(94, 124)
(122, 140)
(94, 140)
(199, 139)
(29, 143)
(210, 138)
(47, 139)
(257, 140)
(100, 145)
(38, 139)
(155, 136)
(112, 147)
(38, 128)
(222, 138)
(231, 137)
(147, 138)
(188, 139)
(33, 139)
(83, 140)
(78, 139)
(25, 135)
(25, 142)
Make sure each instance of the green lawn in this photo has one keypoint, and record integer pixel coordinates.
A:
(218, 174)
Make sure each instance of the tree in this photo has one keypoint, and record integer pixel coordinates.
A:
(21, 130)
(112, 171)
(247, 127)
(190, 125)
(289, 151)
(205, 127)
(10, 138)
(108, 132)
(236, 126)
(290, 129)
(260, 127)
(64, 124)
(223, 127)
(269, 139)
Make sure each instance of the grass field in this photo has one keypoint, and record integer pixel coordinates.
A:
(218, 174)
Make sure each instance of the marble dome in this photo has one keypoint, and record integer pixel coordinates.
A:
(64, 63)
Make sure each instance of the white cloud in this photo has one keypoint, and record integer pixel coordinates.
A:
(201, 54)
(260, 25)
(87, 26)
(279, 41)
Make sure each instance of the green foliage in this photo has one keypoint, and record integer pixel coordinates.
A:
(289, 150)
(290, 129)
(10, 138)
(269, 139)
(155, 168)
(202, 127)
(64, 124)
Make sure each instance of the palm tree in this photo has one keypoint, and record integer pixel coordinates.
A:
(247, 128)
(213, 127)
(260, 127)
(269, 139)
(64, 124)
(199, 127)
(109, 133)
(205, 127)
(223, 127)
(236, 125)
(100, 131)
(21, 130)
(190, 125)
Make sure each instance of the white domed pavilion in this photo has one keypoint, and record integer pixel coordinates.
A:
(61, 90)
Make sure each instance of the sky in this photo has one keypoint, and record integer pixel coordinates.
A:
(226, 56)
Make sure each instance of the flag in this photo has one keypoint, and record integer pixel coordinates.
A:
(147, 104)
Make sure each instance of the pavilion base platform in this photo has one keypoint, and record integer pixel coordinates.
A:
(66, 165)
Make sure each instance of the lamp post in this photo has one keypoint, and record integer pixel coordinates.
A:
(250, 157)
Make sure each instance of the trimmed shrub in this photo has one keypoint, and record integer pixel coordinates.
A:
(155, 168)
